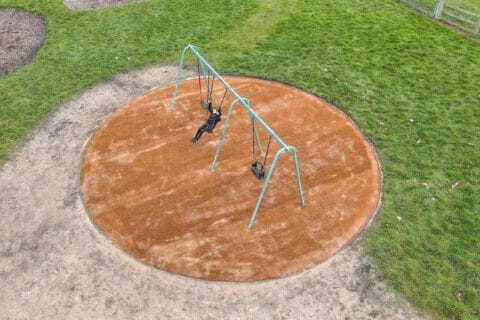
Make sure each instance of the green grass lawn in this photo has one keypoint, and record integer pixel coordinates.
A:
(411, 84)
(466, 3)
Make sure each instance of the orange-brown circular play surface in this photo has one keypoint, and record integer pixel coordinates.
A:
(149, 189)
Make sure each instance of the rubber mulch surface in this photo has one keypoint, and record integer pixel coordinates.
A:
(149, 189)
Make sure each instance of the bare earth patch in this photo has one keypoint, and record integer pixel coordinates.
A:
(54, 264)
(95, 4)
(21, 36)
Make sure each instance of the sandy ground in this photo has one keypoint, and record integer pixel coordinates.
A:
(21, 36)
(95, 4)
(54, 264)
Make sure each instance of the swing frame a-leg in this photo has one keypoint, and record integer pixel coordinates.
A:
(255, 118)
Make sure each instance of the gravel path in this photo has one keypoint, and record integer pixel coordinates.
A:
(95, 4)
(54, 264)
(21, 36)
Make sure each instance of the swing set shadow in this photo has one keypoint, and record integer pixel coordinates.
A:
(203, 68)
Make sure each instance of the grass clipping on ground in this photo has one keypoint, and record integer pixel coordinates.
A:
(410, 83)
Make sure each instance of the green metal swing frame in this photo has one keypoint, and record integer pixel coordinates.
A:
(255, 118)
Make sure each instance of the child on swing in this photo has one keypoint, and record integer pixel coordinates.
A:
(214, 116)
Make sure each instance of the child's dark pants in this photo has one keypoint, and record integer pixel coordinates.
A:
(201, 130)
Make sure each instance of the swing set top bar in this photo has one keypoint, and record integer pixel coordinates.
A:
(243, 102)
(255, 117)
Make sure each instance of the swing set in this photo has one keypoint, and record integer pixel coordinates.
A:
(258, 168)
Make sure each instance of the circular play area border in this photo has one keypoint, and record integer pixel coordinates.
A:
(150, 205)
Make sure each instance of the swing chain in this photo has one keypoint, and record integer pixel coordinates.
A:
(205, 104)
(257, 167)
(268, 148)
(199, 80)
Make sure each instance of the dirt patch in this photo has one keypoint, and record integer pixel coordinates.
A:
(21, 35)
(54, 264)
(95, 4)
(150, 189)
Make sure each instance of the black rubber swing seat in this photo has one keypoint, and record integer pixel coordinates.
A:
(258, 170)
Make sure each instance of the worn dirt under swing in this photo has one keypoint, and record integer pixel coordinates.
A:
(152, 192)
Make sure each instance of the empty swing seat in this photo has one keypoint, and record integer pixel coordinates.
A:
(258, 170)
